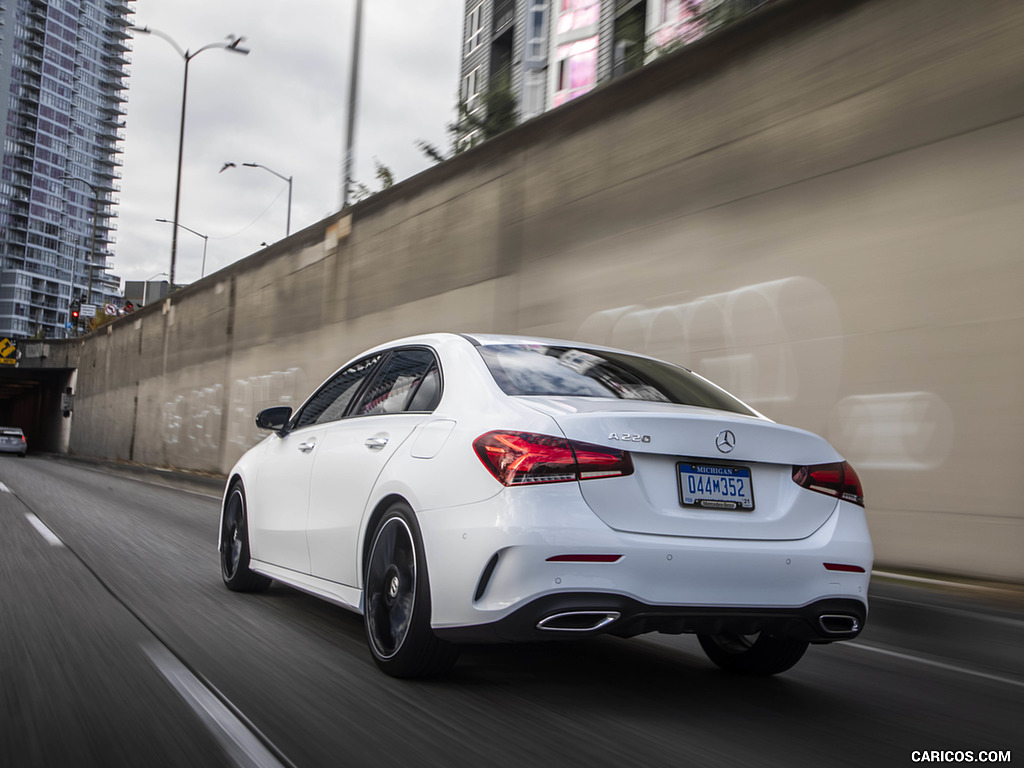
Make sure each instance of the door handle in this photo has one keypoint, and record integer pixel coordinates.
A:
(375, 443)
(307, 447)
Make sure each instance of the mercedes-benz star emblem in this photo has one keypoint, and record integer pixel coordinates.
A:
(725, 441)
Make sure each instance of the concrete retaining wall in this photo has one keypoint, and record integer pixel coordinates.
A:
(820, 208)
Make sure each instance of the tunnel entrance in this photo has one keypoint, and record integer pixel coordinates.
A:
(32, 398)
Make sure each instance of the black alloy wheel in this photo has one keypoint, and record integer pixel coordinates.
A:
(396, 601)
(234, 547)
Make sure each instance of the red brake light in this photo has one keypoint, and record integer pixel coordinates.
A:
(525, 458)
(838, 479)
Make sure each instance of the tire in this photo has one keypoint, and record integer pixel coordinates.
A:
(756, 655)
(234, 547)
(396, 601)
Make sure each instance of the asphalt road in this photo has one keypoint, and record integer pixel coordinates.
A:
(120, 647)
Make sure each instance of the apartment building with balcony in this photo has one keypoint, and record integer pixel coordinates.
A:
(63, 65)
(549, 52)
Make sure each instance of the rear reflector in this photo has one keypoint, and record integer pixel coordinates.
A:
(525, 458)
(844, 567)
(838, 479)
(584, 558)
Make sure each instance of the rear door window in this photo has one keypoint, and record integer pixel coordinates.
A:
(409, 380)
(333, 398)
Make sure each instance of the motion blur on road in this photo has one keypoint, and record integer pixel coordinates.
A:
(119, 646)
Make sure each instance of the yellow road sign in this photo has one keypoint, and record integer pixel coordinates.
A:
(8, 352)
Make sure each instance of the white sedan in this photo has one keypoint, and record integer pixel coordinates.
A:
(480, 488)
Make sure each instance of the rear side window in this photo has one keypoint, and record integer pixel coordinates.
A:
(530, 369)
(407, 381)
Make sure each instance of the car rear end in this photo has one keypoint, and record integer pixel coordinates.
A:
(670, 506)
(12, 440)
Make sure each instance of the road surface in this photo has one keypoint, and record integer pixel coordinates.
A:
(119, 646)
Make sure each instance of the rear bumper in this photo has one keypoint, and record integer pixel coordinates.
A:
(514, 556)
(569, 616)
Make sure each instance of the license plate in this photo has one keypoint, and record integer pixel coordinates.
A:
(715, 487)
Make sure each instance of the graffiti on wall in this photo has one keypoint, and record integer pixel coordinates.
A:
(251, 395)
(193, 422)
(779, 346)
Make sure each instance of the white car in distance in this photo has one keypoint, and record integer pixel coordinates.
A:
(457, 488)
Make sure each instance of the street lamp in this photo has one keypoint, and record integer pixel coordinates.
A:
(206, 239)
(92, 247)
(233, 44)
(288, 225)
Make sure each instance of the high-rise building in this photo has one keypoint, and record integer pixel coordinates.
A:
(62, 82)
(548, 52)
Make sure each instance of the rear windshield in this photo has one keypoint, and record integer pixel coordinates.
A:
(528, 369)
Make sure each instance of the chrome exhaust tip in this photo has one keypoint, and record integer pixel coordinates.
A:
(838, 623)
(578, 621)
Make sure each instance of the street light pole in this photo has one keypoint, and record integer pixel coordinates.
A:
(288, 225)
(206, 240)
(233, 45)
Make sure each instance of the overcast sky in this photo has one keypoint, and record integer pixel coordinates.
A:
(283, 106)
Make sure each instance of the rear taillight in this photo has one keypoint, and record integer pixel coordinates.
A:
(838, 479)
(525, 458)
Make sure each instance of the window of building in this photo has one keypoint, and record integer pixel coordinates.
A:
(577, 69)
(474, 28)
(471, 89)
(536, 32)
(576, 14)
(674, 21)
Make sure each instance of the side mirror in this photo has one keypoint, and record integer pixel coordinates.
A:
(275, 418)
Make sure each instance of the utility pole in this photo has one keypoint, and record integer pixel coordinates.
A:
(353, 84)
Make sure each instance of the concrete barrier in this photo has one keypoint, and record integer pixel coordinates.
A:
(820, 208)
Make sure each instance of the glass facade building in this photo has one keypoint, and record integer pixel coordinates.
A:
(62, 79)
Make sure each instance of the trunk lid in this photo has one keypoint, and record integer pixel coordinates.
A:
(662, 437)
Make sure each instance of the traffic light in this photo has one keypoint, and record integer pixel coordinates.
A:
(128, 307)
(76, 310)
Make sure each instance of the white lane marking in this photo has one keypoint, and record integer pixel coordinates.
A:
(931, 663)
(45, 532)
(242, 746)
(5, 489)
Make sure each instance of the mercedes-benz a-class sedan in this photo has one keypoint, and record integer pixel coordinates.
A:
(480, 488)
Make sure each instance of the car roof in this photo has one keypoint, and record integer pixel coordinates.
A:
(488, 339)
